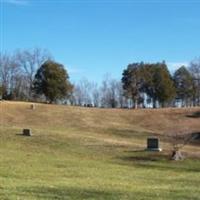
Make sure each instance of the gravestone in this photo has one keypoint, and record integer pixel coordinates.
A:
(196, 136)
(153, 144)
(32, 106)
(27, 132)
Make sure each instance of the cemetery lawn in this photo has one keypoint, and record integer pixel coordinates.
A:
(87, 153)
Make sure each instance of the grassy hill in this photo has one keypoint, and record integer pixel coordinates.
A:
(89, 153)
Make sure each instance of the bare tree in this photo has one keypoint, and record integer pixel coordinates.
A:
(17, 72)
(4, 72)
(9, 73)
(83, 93)
(95, 95)
(120, 95)
(77, 98)
(104, 92)
(30, 61)
(195, 71)
(109, 94)
(112, 93)
(178, 137)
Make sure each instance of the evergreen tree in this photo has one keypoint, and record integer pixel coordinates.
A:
(163, 83)
(132, 81)
(151, 79)
(158, 84)
(52, 81)
(194, 69)
(184, 85)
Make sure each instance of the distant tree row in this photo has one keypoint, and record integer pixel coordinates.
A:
(143, 85)
(108, 95)
(33, 75)
(154, 83)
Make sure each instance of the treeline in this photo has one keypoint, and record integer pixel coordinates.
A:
(154, 83)
(33, 75)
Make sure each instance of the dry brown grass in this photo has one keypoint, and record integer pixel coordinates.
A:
(89, 153)
(113, 126)
(150, 120)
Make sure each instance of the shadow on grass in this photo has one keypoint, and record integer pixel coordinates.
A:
(21, 134)
(136, 151)
(160, 161)
(194, 115)
(69, 193)
(72, 193)
(171, 166)
(145, 156)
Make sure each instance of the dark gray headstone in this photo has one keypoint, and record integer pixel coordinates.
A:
(153, 144)
(27, 132)
(196, 136)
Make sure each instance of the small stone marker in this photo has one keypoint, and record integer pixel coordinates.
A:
(32, 106)
(153, 144)
(27, 132)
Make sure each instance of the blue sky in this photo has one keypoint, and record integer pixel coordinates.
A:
(92, 38)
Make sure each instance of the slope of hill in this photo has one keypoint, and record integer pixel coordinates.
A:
(89, 153)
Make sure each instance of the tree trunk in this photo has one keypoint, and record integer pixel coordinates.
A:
(136, 103)
(163, 104)
(154, 103)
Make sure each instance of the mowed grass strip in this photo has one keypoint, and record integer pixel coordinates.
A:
(82, 155)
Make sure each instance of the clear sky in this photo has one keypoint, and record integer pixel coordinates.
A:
(92, 38)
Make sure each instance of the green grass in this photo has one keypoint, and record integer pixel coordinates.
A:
(80, 162)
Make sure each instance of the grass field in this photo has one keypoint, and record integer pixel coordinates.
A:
(81, 153)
